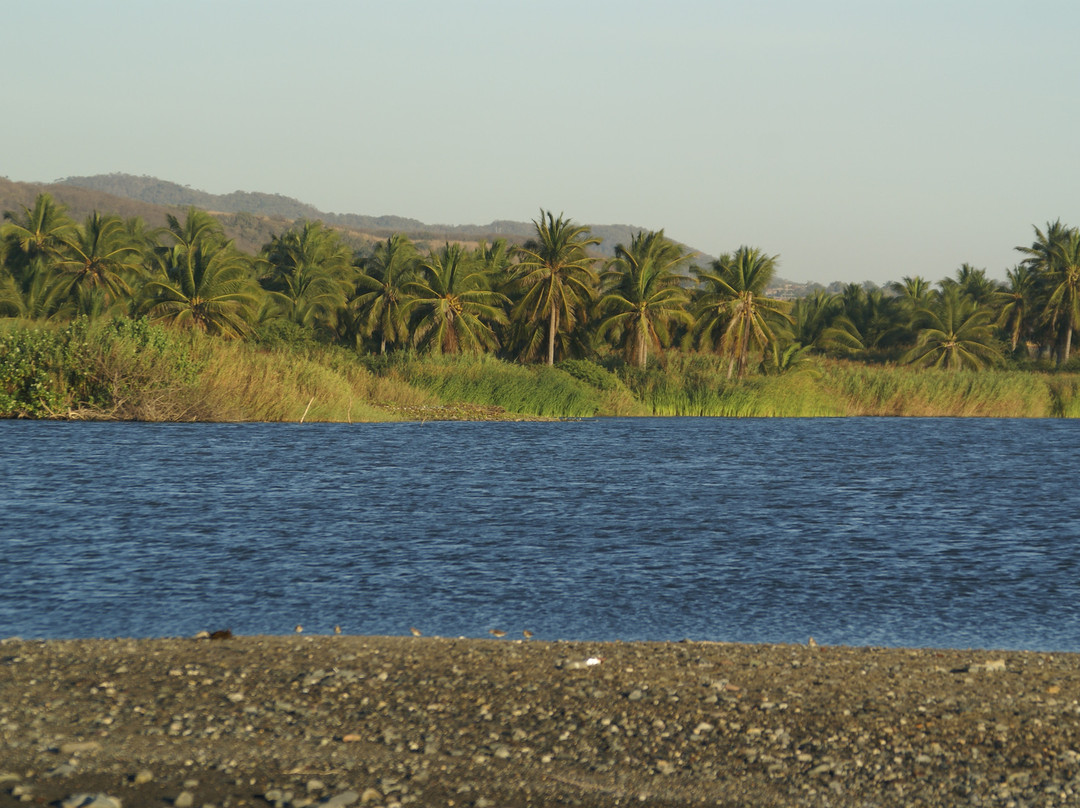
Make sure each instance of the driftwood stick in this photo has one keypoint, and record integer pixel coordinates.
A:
(308, 407)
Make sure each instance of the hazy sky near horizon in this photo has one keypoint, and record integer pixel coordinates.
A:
(858, 139)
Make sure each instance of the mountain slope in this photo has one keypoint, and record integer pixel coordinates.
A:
(169, 194)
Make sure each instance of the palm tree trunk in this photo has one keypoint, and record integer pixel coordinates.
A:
(1068, 341)
(553, 323)
(744, 346)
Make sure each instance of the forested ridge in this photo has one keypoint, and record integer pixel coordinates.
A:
(651, 328)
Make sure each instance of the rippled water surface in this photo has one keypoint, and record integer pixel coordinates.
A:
(900, 532)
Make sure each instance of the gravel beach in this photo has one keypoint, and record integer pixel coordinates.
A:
(398, 721)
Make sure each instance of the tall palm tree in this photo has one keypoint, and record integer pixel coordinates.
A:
(643, 295)
(210, 289)
(1042, 252)
(99, 257)
(733, 314)
(1018, 303)
(454, 303)
(956, 334)
(555, 279)
(1063, 305)
(381, 291)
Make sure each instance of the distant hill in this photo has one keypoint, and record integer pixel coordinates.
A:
(275, 207)
(252, 219)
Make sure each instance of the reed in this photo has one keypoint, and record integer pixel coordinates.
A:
(526, 390)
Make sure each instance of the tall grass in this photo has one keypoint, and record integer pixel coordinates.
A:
(697, 384)
(127, 369)
(524, 389)
(885, 390)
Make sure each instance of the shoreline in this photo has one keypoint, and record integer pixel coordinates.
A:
(397, 721)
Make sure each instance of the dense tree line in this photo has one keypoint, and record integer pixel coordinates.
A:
(548, 299)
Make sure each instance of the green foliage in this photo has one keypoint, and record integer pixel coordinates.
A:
(554, 282)
(281, 334)
(734, 315)
(592, 374)
(73, 352)
(42, 369)
(88, 369)
(644, 295)
(452, 303)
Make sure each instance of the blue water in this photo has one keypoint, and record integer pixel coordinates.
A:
(894, 532)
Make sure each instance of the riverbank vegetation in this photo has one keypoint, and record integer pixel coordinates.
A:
(108, 318)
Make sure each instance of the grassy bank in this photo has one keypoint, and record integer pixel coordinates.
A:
(126, 369)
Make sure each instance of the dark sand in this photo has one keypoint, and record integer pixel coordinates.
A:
(386, 721)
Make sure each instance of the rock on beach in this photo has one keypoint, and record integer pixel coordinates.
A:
(397, 721)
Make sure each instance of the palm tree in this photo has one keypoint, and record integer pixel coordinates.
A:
(973, 283)
(454, 303)
(811, 316)
(956, 334)
(198, 227)
(309, 274)
(98, 257)
(734, 314)
(1063, 305)
(869, 321)
(643, 294)
(914, 293)
(39, 233)
(1041, 253)
(554, 276)
(381, 291)
(210, 289)
(1017, 301)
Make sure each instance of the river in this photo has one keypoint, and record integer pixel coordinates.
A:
(888, 532)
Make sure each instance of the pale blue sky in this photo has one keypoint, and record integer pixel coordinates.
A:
(859, 140)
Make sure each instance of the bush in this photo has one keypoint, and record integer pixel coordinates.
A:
(44, 370)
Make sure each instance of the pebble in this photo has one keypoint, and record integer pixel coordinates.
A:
(343, 799)
(77, 747)
(890, 728)
(185, 799)
(90, 801)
